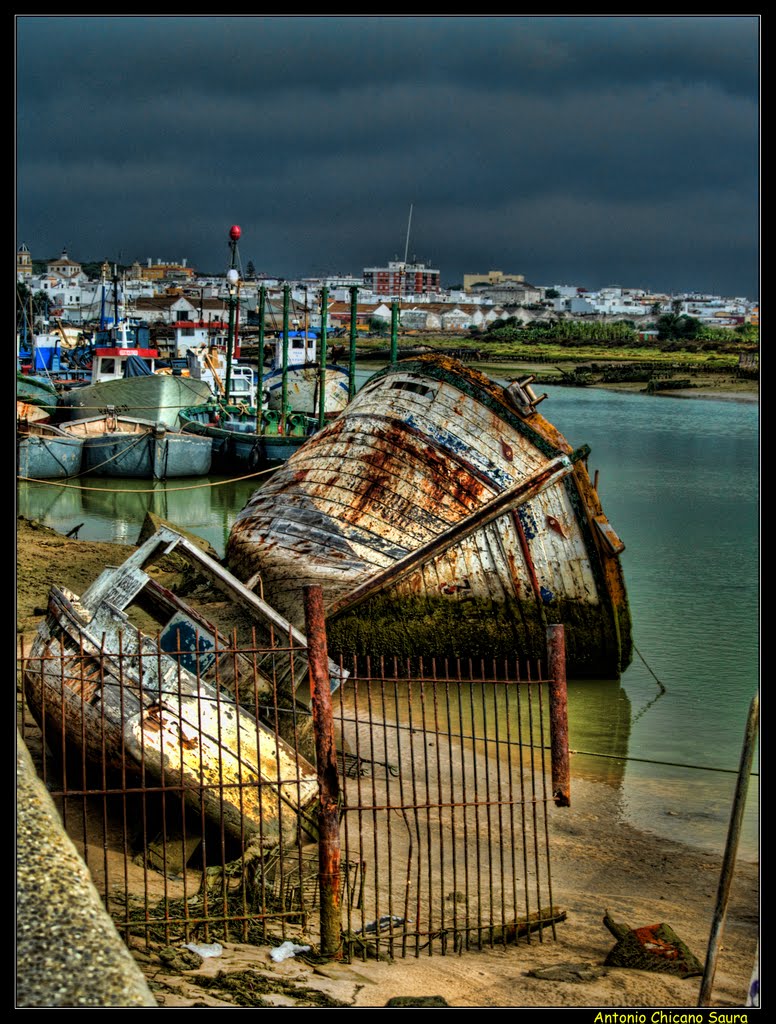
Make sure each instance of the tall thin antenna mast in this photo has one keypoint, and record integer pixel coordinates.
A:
(407, 243)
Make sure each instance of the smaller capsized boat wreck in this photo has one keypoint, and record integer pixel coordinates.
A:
(168, 696)
(442, 514)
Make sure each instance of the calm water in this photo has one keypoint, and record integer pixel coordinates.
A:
(679, 482)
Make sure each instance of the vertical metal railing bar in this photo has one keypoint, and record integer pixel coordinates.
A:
(416, 820)
(453, 807)
(221, 786)
(235, 666)
(278, 882)
(545, 801)
(295, 725)
(124, 803)
(181, 796)
(387, 813)
(82, 684)
(257, 712)
(524, 837)
(283, 867)
(163, 792)
(357, 691)
(497, 690)
(464, 802)
(533, 802)
(201, 796)
(440, 820)
(63, 736)
(488, 806)
(123, 667)
(338, 717)
(238, 698)
(402, 807)
(476, 802)
(104, 786)
(429, 847)
(242, 894)
(510, 789)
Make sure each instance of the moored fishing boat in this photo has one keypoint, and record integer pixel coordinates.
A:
(441, 514)
(44, 452)
(154, 396)
(35, 391)
(125, 446)
(303, 378)
(245, 439)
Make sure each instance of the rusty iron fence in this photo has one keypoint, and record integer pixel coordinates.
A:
(408, 813)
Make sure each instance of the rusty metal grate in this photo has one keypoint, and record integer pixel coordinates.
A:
(444, 787)
(445, 792)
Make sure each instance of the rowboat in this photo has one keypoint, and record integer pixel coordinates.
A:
(44, 452)
(177, 702)
(441, 514)
(125, 446)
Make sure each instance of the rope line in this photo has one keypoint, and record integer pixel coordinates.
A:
(148, 490)
(669, 764)
(662, 687)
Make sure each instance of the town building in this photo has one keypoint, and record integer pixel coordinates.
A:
(492, 279)
(68, 270)
(401, 280)
(160, 271)
(23, 263)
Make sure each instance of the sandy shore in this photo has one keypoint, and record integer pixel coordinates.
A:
(599, 863)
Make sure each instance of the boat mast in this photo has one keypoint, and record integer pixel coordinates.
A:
(260, 389)
(396, 306)
(284, 376)
(322, 360)
(232, 278)
(353, 336)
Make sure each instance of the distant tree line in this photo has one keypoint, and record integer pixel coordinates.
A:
(675, 332)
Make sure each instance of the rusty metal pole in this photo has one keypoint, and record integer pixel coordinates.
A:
(559, 719)
(731, 850)
(328, 779)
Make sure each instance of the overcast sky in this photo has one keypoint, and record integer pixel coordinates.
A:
(573, 150)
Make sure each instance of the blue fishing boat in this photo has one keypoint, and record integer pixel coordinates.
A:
(44, 452)
(246, 439)
(124, 446)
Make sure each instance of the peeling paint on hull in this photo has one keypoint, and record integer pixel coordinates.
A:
(418, 455)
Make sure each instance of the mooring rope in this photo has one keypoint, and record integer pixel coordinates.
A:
(149, 490)
(662, 687)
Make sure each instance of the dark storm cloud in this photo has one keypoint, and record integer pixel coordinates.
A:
(586, 149)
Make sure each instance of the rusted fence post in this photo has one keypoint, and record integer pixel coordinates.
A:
(731, 850)
(559, 719)
(328, 779)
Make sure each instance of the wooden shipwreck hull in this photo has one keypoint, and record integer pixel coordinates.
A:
(441, 514)
(168, 708)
